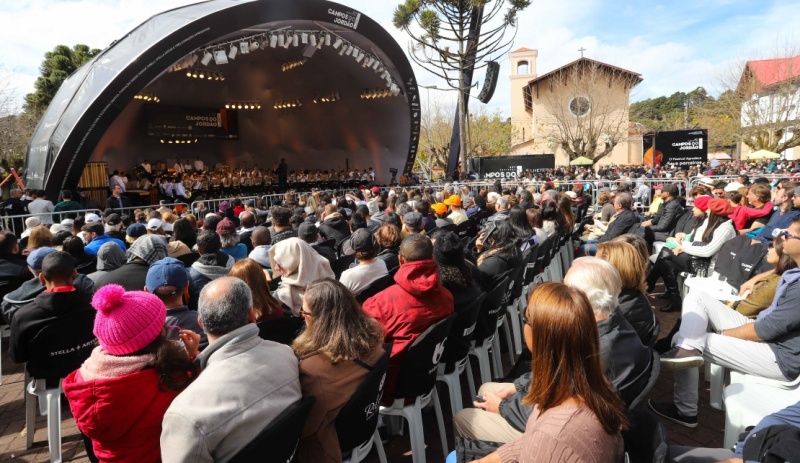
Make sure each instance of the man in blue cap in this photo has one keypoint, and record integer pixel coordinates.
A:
(168, 280)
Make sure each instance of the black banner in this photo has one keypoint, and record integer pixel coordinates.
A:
(678, 148)
(510, 167)
(189, 123)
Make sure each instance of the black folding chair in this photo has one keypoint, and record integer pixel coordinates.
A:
(277, 443)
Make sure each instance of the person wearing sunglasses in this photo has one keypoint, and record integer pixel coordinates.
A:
(710, 330)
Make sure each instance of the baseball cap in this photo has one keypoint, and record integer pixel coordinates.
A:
(153, 224)
(36, 257)
(224, 205)
(413, 220)
(91, 218)
(361, 241)
(114, 219)
(307, 230)
(439, 208)
(166, 272)
(375, 190)
(453, 200)
(733, 186)
(136, 230)
(226, 227)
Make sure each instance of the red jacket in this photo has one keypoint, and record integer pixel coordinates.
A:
(406, 310)
(121, 415)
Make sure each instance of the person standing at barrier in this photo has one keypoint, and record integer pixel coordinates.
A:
(14, 206)
(42, 208)
(117, 200)
(283, 172)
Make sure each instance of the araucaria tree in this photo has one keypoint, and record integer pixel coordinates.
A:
(444, 44)
(56, 67)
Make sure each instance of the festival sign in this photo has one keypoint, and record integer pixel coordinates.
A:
(679, 148)
(511, 167)
(183, 122)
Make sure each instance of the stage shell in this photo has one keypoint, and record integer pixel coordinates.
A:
(96, 117)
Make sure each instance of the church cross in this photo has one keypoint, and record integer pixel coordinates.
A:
(581, 50)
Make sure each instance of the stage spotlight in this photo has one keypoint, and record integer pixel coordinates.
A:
(296, 40)
(206, 58)
(376, 64)
(194, 59)
(254, 45)
(273, 40)
(232, 53)
(342, 50)
(244, 47)
(281, 40)
(349, 50)
(337, 43)
(304, 38)
(327, 40)
(313, 40)
(360, 57)
(220, 57)
(287, 41)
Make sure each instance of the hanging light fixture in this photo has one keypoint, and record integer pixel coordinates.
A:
(288, 104)
(147, 97)
(233, 51)
(204, 74)
(220, 57)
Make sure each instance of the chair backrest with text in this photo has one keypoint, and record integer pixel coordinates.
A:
(418, 369)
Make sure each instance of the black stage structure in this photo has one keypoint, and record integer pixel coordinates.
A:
(102, 112)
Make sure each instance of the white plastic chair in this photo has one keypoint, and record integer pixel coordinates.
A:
(50, 405)
(362, 451)
(413, 414)
(722, 378)
(453, 381)
(747, 404)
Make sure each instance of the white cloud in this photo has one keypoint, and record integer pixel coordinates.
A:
(675, 47)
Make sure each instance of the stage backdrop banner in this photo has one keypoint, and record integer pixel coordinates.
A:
(177, 122)
(678, 148)
(509, 167)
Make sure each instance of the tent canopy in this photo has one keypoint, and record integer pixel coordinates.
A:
(95, 116)
(581, 161)
(763, 154)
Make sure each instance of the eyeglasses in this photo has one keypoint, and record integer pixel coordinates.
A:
(785, 234)
(306, 314)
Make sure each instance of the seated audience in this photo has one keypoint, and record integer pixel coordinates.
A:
(668, 213)
(53, 334)
(299, 266)
(337, 349)
(98, 237)
(84, 263)
(211, 264)
(369, 268)
(229, 240)
(262, 242)
(406, 309)
(633, 302)
(333, 225)
(499, 253)
(265, 307)
(456, 273)
(146, 250)
(572, 403)
(767, 346)
(309, 233)
(13, 267)
(763, 291)
(760, 207)
(208, 420)
(168, 280)
(121, 392)
(389, 239)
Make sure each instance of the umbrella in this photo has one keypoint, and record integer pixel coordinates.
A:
(581, 161)
(764, 154)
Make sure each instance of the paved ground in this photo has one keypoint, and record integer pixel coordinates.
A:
(709, 432)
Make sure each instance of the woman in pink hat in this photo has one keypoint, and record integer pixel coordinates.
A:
(120, 394)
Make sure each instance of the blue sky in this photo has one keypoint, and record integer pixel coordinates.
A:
(676, 45)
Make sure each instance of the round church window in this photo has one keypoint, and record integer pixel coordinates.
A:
(580, 106)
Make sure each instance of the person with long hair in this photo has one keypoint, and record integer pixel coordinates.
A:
(84, 263)
(522, 228)
(552, 220)
(499, 253)
(763, 292)
(703, 244)
(565, 206)
(40, 237)
(265, 306)
(121, 392)
(534, 216)
(339, 346)
(456, 273)
(573, 401)
(633, 302)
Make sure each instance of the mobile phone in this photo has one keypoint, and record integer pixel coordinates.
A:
(479, 399)
(174, 336)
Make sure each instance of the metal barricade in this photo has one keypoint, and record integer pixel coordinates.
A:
(695, 181)
(16, 223)
(130, 209)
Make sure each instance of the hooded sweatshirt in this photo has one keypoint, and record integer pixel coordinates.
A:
(32, 288)
(210, 267)
(118, 403)
(109, 257)
(303, 266)
(406, 309)
(335, 227)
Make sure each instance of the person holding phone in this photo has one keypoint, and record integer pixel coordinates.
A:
(121, 392)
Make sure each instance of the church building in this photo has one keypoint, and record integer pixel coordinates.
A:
(582, 107)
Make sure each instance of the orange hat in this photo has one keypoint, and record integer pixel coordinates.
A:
(439, 208)
(453, 200)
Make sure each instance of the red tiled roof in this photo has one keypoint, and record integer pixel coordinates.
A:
(521, 50)
(770, 72)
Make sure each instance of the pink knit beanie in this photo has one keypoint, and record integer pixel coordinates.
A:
(127, 321)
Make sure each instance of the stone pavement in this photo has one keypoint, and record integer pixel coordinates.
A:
(709, 432)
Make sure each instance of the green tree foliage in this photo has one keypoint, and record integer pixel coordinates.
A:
(56, 67)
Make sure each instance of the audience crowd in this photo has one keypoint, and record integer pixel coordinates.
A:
(180, 337)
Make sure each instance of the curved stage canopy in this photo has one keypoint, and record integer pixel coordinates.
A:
(300, 52)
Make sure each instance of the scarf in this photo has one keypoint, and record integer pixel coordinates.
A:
(102, 365)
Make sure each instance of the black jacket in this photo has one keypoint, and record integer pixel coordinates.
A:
(391, 257)
(277, 237)
(626, 361)
(186, 319)
(686, 222)
(113, 203)
(325, 251)
(335, 228)
(13, 273)
(494, 266)
(666, 218)
(26, 293)
(130, 276)
(619, 226)
(636, 308)
(53, 334)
